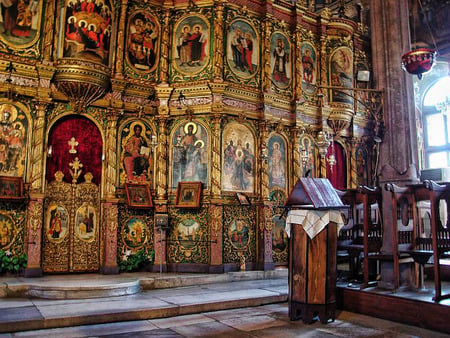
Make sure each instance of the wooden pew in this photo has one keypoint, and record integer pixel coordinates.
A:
(403, 206)
(440, 234)
(372, 226)
(348, 233)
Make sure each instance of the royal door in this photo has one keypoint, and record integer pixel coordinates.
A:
(71, 232)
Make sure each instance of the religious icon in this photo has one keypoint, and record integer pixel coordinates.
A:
(242, 49)
(137, 159)
(85, 223)
(341, 72)
(135, 232)
(143, 41)
(57, 223)
(307, 156)
(187, 233)
(6, 230)
(238, 234)
(308, 63)
(188, 194)
(238, 159)
(138, 195)
(280, 60)
(11, 187)
(88, 28)
(277, 162)
(20, 21)
(191, 44)
(12, 140)
(190, 156)
(279, 236)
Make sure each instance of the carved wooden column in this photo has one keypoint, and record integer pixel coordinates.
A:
(35, 216)
(266, 74)
(218, 40)
(265, 224)
(109, 226)
(35, 211)
(263, 162)
(217, 90)
(111, 154)
(165, 41)
(216, 238)
(297, 56)
(353, 165)
(37, 148)
(162, 163)
(49, 32)
(296, 166)
(119, 55)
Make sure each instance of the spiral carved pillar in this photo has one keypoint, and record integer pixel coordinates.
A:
(265, 260)
(37, 148)
(215, 171)
(111, 155)
(119, 55)
(296, 166)
(164, 61)
(218, 41)
(162, 163)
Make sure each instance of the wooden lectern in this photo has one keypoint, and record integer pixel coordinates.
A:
(313, 220)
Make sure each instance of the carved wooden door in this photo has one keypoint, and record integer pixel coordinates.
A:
(71, 233)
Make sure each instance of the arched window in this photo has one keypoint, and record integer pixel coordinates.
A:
(436, 122)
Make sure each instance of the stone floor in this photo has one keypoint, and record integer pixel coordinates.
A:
(261, 321)
(240, 304)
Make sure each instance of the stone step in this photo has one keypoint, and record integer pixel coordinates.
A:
(97, 286)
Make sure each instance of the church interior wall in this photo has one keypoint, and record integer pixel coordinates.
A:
(231, 94)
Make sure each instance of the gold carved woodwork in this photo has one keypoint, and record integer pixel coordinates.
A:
(111, 154)
(71, 241)
(119, 55)
(37, 148)
(264, 165)
(164, 60)
(216, 156)
(218, 41)
(267, 82)
(162, 160)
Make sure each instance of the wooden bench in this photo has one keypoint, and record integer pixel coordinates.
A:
(348, 233)
(372, 227)
(403, 206)
(440, 234)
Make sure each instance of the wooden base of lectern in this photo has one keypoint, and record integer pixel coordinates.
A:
(312, 274)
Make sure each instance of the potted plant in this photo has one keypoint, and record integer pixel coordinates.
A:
(136, 261)
(12, 264)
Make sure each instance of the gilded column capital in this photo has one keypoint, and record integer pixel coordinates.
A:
(217, 90)
(163, 93)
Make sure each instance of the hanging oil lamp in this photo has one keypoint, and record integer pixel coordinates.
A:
(418, 61)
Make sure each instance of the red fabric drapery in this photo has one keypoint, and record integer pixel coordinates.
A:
(338, 174)
(89, 149)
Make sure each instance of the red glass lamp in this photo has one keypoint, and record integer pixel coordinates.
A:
(418, 61)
